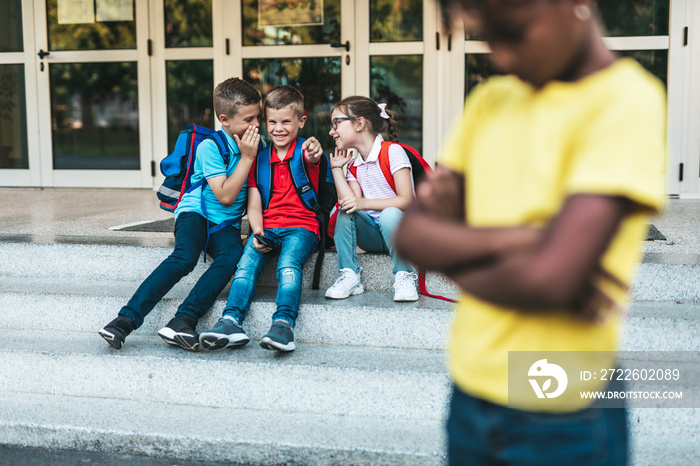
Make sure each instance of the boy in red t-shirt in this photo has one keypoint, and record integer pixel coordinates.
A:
(284, 227)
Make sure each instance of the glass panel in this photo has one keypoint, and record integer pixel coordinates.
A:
(94, 116)
(655, 61)
(286, 30)
(89, 30)
(13, 117)
(635, 17)
(396, 20)
(317, 78)
(477, 67)
(11, 27)
(189, 89)
(188, 23)
(398, 81)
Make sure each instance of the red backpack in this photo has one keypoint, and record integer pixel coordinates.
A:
(419, 167)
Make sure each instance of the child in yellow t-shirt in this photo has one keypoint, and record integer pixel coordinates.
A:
(536, 212)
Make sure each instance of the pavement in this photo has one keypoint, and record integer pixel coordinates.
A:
(108, 216)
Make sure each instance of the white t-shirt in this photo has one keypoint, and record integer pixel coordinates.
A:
(370, 176)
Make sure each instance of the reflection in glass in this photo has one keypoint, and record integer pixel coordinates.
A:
(635, 17)
(398, 82)
(188, 23)
(317, 78)
(396, 20)
(655, 61)
(477, 67)
(94, 116)
(189, 93)
(11, 26)
(253, 34)
(13, 117)
(95, 35)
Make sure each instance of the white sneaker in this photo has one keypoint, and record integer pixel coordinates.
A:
(405, 286)
(347, 284)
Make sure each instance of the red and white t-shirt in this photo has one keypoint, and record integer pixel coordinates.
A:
(370, 175)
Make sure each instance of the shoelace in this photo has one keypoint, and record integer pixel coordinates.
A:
(345, 277)
(408, 279)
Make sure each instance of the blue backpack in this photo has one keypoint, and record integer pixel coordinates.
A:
(321, 202)
(178, 168)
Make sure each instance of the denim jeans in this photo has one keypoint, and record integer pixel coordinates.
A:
(359, 229)
(482, 433)
(225, 247)
(294, 246)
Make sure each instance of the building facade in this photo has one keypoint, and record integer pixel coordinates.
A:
(94, 92)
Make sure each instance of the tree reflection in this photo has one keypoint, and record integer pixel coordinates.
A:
(188, 23)
(635, 17)
(396, 20)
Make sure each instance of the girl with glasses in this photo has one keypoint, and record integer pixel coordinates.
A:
(370, 210)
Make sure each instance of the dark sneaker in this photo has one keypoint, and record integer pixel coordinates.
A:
(181, 332)
(116, 331)
(225, 333)
(279, 338)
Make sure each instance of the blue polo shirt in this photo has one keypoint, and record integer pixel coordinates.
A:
(208, 164)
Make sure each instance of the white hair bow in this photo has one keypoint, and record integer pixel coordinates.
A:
(382, 113)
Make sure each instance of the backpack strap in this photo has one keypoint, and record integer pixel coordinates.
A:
(263, 175)
(384, 164)
(424, 289)
(300, 178)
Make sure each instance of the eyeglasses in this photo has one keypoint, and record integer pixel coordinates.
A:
(334, 122)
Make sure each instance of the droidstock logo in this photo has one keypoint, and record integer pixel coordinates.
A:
(542, 369)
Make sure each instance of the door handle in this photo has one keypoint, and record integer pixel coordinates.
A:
(43, 54)
(338, 45)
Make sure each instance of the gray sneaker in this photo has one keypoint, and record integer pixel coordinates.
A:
(225, 333)
(279, 338)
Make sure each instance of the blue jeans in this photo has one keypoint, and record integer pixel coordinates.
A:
(482, 433)
(294, 246)
(225, 247)
(359, 229)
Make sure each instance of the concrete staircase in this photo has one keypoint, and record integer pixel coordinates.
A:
(366, 385)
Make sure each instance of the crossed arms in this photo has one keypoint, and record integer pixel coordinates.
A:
(547, 269)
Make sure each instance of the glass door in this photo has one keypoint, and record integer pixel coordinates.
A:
(309, 45)
(331, 49)
(182, 66)
(93, 71)
(19, 163)
(397, 65)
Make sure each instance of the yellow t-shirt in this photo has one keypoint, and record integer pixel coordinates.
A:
(523, 152)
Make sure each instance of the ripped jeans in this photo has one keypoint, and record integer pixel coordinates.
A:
(294, 246)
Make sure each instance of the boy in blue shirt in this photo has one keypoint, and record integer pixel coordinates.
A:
(281, 225)
(237, 106)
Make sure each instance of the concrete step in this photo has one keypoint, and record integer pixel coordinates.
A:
(659, 278)
(82, 262)
(661, 326)
(664, 436)
(369, 319)
(314, 379)
(232, 436)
